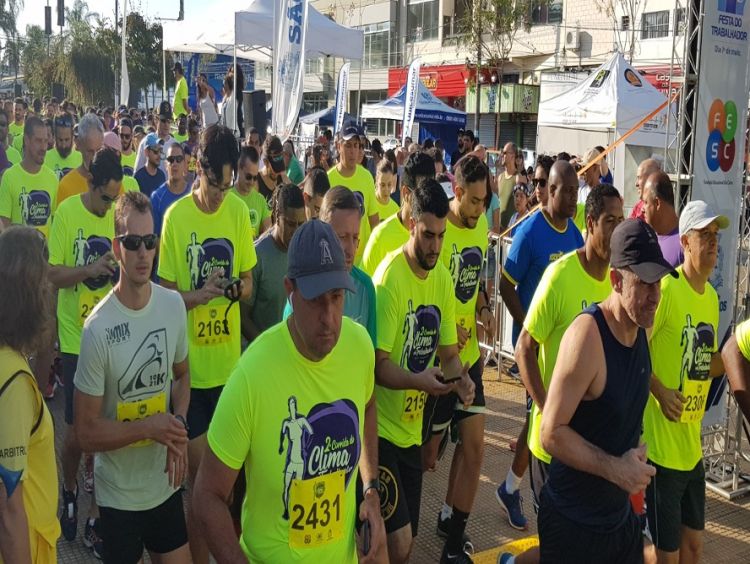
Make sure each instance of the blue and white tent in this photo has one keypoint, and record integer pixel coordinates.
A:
(430, 109)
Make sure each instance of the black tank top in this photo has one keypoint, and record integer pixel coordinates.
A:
(612, 422)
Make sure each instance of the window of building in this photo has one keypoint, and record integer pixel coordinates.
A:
(452, 24)
(546, 12)
(624, 23)
(422, 20)
(378, 53)
(655, 24)
(314, 102)
(313, 65)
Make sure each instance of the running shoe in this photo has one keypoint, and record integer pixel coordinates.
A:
(91, 538)
(460, 558)
(513, 371)
(512, 505)
(504, 557)
(442, 531)
(69, 515)
(88, 473)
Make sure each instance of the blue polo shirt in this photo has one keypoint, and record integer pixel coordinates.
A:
(536, 244)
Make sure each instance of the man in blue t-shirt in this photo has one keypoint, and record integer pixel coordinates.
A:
(150, 176)
(343, 212)
(538, 241)
(174, 188)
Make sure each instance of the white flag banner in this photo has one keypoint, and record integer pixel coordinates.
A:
(410, 102)
(342, 90)
(290, 30)
(124, 79)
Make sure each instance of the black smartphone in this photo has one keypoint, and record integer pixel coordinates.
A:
(365, 537)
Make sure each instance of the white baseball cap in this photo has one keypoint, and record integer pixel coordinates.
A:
(698, 214)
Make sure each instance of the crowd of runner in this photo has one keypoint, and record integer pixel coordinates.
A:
(261, 355)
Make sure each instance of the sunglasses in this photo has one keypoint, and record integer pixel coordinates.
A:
(164, 120)
(63, 122)
(175, 159)
(133, 242)
(251, 177)
(541, 182)
(154, 149)
(108, 199)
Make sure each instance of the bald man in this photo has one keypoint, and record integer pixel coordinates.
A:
(539, 241)
(645, 169)
(659, 213)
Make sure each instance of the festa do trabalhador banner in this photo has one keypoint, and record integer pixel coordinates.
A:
(290, 23)
(720, 139)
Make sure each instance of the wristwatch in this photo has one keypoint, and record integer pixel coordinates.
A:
(181, 419)
(371, 485)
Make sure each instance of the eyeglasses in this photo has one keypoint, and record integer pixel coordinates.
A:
(175, 159)
(108, 199)
(213, 184)
(251, 177)
(133, 242)
(541, 182)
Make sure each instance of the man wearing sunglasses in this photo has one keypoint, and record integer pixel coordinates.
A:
(206, 254)
(82, 267)
(246, 188)
(151, 175)
(163, 129)
(127, 154)
(273, 173)
(350, 174)
(62, 158)
(173, 189)
(132, 394)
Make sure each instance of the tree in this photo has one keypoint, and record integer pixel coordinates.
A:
(488, 28)
(625, 34)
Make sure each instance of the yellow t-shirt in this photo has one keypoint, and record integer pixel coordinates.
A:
(180, 94)
(14, 157)
(564, 291)
(386, 238)
(129, 184)
(386, 210)
(414, 316)
(303, 426)
(15, 129)
(128, 163)
(580, 218)
(180, 138)
(363, 186)
(72, 184)
(683, 340)
(78, 237)
(27, 452)
(463, 255)
(193, 244)
(29, 199)
(742, 335)
(258, 208)
(62, 166)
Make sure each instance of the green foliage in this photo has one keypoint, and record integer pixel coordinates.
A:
(86, 57)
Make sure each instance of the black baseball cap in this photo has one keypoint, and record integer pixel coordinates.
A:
(177, 67)
(165, 110)
(635, 245)
(349, 133)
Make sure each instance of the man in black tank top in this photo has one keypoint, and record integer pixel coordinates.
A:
(591, 423)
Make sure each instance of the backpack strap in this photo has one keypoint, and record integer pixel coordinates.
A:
(8, 383)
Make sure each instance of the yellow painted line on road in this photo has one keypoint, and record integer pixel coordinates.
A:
(516, 547)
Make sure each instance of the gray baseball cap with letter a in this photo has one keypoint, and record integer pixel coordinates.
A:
(316, 260)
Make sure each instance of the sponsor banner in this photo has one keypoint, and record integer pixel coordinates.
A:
(290, 22)
(342, 90)
(719, 138)
(410, 101)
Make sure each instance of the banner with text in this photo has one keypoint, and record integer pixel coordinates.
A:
(342, 91)
(410, 101)
(720, 138)
(290, 31)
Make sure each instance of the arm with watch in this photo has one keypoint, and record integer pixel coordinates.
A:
(369, 510)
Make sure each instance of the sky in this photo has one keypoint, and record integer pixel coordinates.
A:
(33, 12)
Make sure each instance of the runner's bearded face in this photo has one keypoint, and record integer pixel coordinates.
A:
(471, 204)
(126, 137)
(35, 144)
(349, 152)
(600, 230)
(702, 248)
(136, 265)
(64, 140)
(638, 298)
(88, 146)
(428, 234)
(318, 321)
(18, 112)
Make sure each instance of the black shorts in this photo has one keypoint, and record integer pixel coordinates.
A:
(538, 474)
(69, 366)
(441, 410)
(126, 533)
(201, 409)
(675, 498)
(562, 541)
(400, 472)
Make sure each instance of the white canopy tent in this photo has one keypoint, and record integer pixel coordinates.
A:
(254, 34)
(599, 110)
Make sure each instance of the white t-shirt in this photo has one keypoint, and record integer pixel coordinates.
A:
(126, 358)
